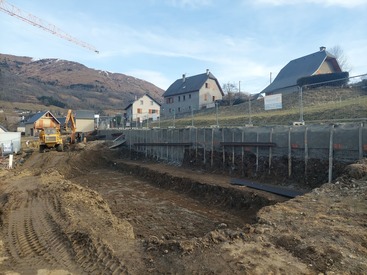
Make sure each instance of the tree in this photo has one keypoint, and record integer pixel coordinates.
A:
(230, 90)
(341, 57)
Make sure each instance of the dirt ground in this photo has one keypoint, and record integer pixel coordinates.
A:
(93, 211)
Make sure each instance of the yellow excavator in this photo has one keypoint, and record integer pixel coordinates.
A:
(72, 129)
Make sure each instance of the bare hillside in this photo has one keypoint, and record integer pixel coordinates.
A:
(67, 84)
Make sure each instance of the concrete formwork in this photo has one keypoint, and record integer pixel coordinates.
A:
(287, 151)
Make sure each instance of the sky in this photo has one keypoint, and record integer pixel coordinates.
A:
(241, 42)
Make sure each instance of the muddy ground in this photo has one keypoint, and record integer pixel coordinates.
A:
(92, 211)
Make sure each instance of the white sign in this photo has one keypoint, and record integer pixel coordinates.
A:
(273, 102)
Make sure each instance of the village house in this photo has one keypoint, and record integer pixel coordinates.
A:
(320, 62)
(192, 93)
(41, 120)
(140, 110)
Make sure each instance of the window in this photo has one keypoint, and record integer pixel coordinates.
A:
(179, 98)
(151, 102)
(189, 96)
(140, 111)
(183, 98)
(141, 102)
(205, 97)
(178, 109)
(206, 85)
(213, 98)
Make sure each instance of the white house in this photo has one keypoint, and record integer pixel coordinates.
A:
(142, 109)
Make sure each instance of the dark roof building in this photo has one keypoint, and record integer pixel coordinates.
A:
(321, 62)
(192, 93)
(190, 84)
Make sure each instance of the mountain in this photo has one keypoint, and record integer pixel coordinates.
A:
(60, 84)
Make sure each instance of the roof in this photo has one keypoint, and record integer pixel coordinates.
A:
(190, 84)
(3, 129)
(300, 67)
(84, 114)
(37, 116)
(131, 103)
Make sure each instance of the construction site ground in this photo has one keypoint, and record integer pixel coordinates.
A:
(91, 210)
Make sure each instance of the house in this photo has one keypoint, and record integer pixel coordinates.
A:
(192, 93)
(40, 120)
(142, 109)
(84, 121)
(321, 62)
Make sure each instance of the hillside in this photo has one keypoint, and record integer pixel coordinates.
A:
(53, 83)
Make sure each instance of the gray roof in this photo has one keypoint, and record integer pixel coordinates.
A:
(191, 84)
(132, 102)
(3, 128)
(84, 114)
(300, 67)
(37, 116)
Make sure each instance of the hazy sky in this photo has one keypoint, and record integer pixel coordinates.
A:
(159, 40)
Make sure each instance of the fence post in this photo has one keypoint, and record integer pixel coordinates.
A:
(360, 139)
(306, 151)
(270, 149)
(331, 153)
(289, 153)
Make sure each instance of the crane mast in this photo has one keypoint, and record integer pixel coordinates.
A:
(35, 21)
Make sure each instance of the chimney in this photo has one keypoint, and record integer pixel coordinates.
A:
(183, 77)
(207, 71)
(322, 48)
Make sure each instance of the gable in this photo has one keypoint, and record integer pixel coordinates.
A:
(190, 84)
(317, 63)
(44, 120)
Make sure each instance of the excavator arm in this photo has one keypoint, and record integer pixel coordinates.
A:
(70, 118)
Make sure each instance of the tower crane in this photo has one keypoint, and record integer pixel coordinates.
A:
(35, 21)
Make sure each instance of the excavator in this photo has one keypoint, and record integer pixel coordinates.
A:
(72, 129)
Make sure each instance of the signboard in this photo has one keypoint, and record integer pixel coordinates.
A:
(273, 102)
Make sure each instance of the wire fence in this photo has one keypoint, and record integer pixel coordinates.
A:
(341, 100)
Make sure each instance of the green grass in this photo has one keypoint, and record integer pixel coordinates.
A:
(319, 106)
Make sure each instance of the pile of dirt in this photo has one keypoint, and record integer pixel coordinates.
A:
(90, 211)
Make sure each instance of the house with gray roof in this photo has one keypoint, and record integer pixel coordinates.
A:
(192, 93)
(320, 62)
(39, 121)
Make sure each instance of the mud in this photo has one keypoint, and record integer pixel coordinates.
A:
(96, 211)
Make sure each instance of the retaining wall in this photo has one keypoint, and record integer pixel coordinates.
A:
(311, 154)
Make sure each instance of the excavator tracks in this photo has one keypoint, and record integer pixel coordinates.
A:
(37, 236)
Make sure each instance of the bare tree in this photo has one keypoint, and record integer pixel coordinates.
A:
(230, 90)
(339, 54)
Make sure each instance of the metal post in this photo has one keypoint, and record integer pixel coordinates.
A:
(270, 149)
(192, 116)
(301, 103)
(306, 152)
(249, 109)
(174, 118)
(360, 141)
(331, 151)
(289, 153)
